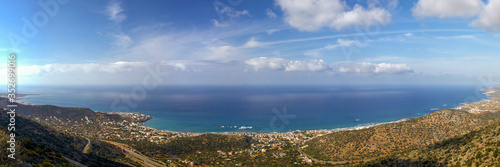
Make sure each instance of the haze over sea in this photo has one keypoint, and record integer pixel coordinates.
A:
(264, 108)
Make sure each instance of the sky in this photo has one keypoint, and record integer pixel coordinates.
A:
(255, 42)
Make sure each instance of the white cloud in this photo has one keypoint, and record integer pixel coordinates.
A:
(176, 65)
(393, 3)
(270, 13)
(280, 64)
(371, 68)
(226, 14)
(122, 41)
(312, 15)
(447, 8)
(347, 42)
(50, 69)
(229, 12)
(456, 37)
(489, 18)
(221, 52)
(314, 52)
(235, 13)
(340, 43)
(114, 11)
(262, 63)
(191, 65)
(160, 47)
(251, 43)
(267, 63)
(225, 10)
(362, 17)
(216, 23)
(270, 32)
(387, 68)
(389, 3)
(308, 65)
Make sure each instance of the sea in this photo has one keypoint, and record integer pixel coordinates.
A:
(269, 109)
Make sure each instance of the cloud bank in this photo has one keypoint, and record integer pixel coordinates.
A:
(280, 64)
(50, 69)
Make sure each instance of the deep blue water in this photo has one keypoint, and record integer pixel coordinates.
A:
(208, 108)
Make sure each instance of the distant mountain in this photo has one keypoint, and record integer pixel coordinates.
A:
(378, 141)
(62, 113)
(41, 145)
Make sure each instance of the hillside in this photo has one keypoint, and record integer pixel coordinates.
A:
(385, 139)
(32, 153)
(217, 150)
(40, 144)
(201, 149)
(477, 148)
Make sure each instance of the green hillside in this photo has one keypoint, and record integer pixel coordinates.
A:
(382, 140)
(218, 150)
(477, 148)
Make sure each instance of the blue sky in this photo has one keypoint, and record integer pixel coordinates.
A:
(69, 42)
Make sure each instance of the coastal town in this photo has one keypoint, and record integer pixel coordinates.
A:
(490, 105)
(131, 128)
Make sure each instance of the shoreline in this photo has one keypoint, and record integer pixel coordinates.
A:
(357, 127)
(350, 128)
(363, 126)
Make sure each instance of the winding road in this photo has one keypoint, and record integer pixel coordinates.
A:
(86, 148)
(145, 159)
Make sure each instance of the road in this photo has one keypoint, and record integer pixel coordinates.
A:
(74, 162)
(145, 159)
(86, 148)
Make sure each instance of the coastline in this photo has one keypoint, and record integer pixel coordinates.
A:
(356, 127)
(129, 126)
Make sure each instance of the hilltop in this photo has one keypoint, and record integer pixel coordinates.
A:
(42, 145)
(478, 148)
(382, 140)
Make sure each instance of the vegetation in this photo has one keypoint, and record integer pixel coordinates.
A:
(200, 149)
(386, 139)
(45, 146)
(216, 149)
(443, 138)
(477, 148)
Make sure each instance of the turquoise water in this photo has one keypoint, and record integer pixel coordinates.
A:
(263, 108)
